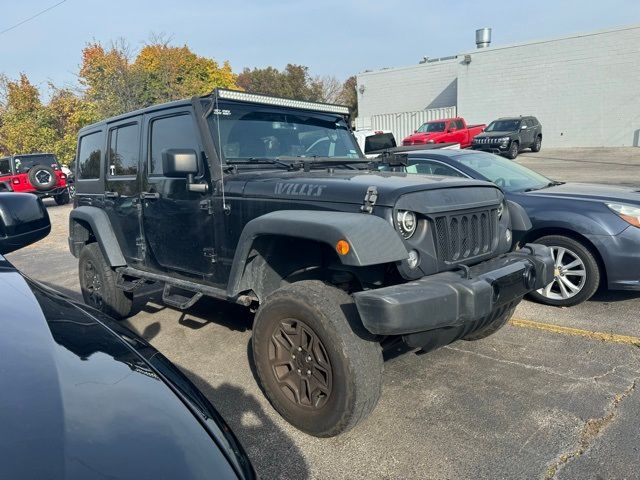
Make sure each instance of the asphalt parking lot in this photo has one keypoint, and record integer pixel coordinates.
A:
(552, 395)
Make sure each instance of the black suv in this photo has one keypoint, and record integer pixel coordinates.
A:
(509, 136)
(269, 203)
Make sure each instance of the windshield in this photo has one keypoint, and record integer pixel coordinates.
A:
(263, 132)
(504, 173)
(25, 163)
(503, 126)
(432, 127)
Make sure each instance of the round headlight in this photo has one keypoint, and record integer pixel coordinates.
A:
(406, 222)
(500, 210)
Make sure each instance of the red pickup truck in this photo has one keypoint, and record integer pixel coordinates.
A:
(445, 131)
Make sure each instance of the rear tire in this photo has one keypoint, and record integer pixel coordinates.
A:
(316, 363)
(513, 151)
(98, 284)
(583, 273)
(537, 144)
(62, 198)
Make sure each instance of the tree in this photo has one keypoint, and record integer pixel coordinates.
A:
(171, 73)
(26, 123)
(118, 81)
(349, 95)
(109, 80)
(293, 82)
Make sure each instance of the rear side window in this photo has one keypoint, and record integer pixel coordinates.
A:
(124, 150)
(89, 154)
(169, 133)
(459, 125)
(5, 166)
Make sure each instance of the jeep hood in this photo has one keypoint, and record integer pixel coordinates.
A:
(342, 186)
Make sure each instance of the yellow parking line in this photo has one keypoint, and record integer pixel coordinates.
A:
(602, 336)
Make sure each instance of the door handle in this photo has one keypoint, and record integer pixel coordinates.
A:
(150, 195)
(109, 194)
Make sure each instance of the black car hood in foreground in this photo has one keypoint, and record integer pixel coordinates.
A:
(592, 191)
(83, 398)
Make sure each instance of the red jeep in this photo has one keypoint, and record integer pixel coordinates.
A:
(37, 173)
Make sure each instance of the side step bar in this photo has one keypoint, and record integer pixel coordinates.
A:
(174, 299)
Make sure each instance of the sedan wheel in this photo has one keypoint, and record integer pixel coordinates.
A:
(576, 273)
(570, 275)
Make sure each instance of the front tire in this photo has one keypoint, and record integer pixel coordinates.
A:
(317, 365)
(513, 151)
(98, 284)
(577, 274)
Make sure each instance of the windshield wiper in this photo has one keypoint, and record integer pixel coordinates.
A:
(550, 184)
(259, 161)
(307, 162)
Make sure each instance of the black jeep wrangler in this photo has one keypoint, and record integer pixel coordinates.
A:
(269, 203)
(509, 136)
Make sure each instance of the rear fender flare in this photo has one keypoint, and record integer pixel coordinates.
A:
(98, 221)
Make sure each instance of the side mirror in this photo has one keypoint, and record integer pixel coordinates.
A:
(182, 163)
(23, 220)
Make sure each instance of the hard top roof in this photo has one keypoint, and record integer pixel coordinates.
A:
(234, 96)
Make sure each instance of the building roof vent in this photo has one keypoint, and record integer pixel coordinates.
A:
(483, 37)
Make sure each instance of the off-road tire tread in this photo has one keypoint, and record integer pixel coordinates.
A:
(116, 302)
(361, 350)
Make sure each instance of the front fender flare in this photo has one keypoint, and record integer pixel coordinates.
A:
(373, 240)
(98, 220)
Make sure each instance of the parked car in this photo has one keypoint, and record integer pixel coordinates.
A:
(592, 229)
(84, 397)
(448, 130)
(269, 203)
(509, 136)
(37, 173)
(372, 142)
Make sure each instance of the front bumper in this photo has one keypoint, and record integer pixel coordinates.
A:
(454, 298)
(498, 148)
(621, 257)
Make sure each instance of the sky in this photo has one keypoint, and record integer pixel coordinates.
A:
(331, 37)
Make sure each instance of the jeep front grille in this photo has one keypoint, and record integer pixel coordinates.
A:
(465, 236)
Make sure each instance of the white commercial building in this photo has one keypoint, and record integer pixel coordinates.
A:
(584, 89)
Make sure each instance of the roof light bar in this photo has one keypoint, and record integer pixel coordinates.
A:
(281, 102)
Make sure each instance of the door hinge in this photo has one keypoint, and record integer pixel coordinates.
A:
(210, 253)
(369, 200)
(207, 206)
(142, 248)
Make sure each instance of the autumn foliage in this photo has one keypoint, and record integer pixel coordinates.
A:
(114, 79)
